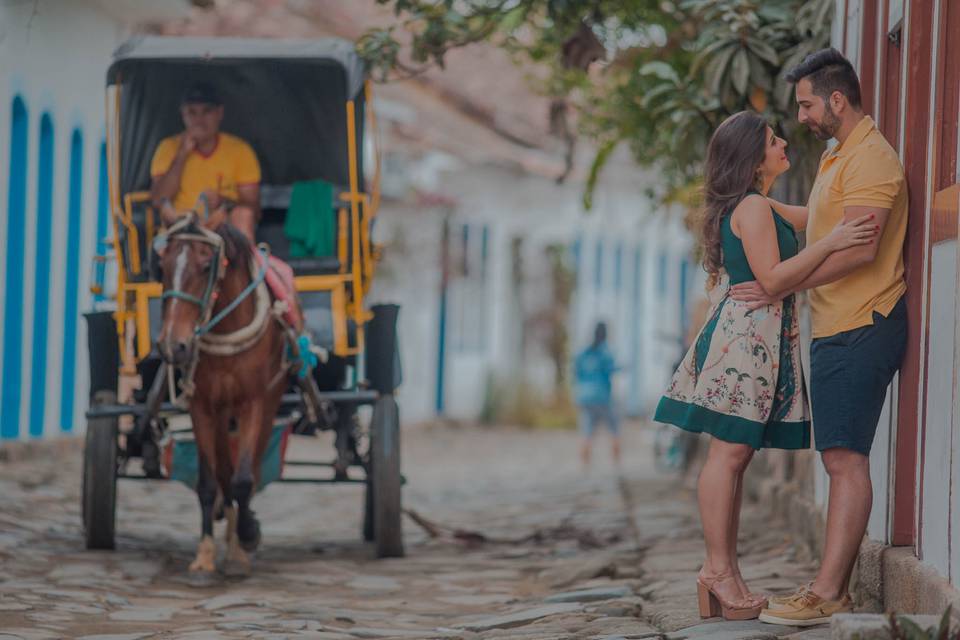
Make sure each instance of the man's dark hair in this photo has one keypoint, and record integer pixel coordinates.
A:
(828, 71)
(599, 333)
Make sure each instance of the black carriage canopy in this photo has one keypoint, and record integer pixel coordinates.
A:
(287, 98)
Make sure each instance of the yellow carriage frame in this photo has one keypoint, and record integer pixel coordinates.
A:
(356, 252)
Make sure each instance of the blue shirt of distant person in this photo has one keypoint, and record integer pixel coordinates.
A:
(594, 369)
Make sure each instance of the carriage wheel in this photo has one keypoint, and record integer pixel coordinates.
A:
(384, 482)
(100, 477)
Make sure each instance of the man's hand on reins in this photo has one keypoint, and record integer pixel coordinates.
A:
(216, 218)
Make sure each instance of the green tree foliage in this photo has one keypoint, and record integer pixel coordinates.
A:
(657, 75)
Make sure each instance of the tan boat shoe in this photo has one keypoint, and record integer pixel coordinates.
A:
(806, 609)
(776, 602)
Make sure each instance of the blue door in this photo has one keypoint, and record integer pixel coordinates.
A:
(41, 298)
(71, 279)
(13, 286)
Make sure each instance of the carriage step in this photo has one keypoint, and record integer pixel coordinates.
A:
(140, 476)
(322, 480)
(362, 396)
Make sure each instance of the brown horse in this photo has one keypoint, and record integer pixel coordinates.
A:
(233, 374)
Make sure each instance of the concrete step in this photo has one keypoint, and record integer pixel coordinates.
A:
(873, 626)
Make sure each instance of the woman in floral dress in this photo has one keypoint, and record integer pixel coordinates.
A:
(741, 382)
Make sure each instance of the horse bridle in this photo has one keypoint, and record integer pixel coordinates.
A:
(217, 270)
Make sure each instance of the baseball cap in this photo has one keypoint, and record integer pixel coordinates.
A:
(201, 93)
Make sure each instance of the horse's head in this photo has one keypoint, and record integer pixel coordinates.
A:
(192, 265)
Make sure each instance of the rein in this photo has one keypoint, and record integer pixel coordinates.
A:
(254, 283)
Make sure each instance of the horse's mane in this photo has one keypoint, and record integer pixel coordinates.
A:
(236, 245)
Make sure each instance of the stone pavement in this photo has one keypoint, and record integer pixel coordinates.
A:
(569, 554)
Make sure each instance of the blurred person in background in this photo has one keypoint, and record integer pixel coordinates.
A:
(593, 370)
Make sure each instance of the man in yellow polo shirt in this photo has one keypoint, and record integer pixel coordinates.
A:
(859, 316)
(204, 160)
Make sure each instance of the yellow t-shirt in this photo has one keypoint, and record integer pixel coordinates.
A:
(231, 163)
(863, 171)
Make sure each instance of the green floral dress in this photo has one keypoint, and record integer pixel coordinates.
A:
(741, 380)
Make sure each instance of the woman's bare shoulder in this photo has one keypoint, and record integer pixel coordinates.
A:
(754, 207)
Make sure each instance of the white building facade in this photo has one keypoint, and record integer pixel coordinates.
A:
(481, 328)
(53, 60)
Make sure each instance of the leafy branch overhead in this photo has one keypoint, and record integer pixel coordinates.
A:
(656, 75)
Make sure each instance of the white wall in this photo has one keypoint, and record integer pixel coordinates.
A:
(514, 204)
(409, 275)
(55, 59)
(54, 56)
(938, 459)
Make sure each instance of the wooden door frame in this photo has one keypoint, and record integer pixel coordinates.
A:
(918, 20)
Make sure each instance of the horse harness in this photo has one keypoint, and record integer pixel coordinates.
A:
(300, 355)
(220, 344)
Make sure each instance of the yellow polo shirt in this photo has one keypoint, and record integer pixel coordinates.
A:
(231, 163)
(863, 171)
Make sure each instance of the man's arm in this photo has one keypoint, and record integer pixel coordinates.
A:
(248, 195)
(842, 263)
(836, 266)
(166, 185)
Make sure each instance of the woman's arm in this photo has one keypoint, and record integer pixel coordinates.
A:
(753, 220)
(795, 214)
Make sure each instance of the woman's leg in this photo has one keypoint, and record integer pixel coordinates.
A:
(735, 531)
(735, 526)
(718, 489)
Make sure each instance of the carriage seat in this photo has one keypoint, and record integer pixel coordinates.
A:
(274, 204)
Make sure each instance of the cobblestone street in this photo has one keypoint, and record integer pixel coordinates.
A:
(568, 554)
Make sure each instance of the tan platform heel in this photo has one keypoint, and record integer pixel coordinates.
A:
(712, 605)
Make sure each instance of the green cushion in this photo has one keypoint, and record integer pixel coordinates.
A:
(311, 225)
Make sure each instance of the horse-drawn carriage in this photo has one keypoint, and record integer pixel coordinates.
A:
(303, 106)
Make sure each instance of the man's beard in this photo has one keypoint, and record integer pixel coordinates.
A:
(827, 128)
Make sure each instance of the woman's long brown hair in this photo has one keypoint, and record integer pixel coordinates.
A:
(736, 150)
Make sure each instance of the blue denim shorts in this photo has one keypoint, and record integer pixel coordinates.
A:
(849, 376)
(591, 414)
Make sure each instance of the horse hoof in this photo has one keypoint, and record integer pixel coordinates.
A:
(200, 579)
(250, 536)
(237, 569)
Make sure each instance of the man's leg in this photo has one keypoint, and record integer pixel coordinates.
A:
(245, 219)
(851, 498)
(847, 514)
(587, 421)
(613, 423)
